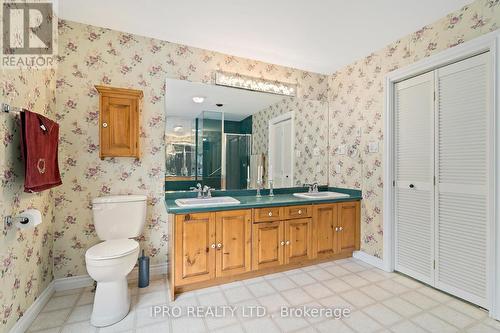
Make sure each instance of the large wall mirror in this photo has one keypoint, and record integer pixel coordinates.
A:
(229, 138)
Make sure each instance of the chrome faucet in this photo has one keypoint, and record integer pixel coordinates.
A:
(312, 188)
(207, 191)
(197, 189)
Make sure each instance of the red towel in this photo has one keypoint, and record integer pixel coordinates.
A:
(39, 142)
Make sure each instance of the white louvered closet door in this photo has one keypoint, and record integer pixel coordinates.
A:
(462, 165)
(414, 182)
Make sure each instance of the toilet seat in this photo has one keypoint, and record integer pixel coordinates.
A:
(112, 249)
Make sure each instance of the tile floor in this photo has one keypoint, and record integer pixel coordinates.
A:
(380, 302)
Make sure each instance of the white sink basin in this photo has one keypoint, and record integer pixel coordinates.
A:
(206, 202)
(321, 195)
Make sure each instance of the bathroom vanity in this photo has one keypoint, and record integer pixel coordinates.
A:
(218, 244)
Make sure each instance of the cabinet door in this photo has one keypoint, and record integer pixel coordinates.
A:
(233, 242)
(268, 244)
(348, 226)
(194, 248)
(119, 122)
(298, 240)
(324, 236)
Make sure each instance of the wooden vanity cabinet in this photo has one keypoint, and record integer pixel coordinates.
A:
(119, 125)
(325, 236)
(194, 251)
(217, 247)
(209, 245)
(298, 240)
(268, 245)
(234, 242)
(348, 226)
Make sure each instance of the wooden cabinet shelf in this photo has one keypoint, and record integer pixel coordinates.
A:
(217, 247)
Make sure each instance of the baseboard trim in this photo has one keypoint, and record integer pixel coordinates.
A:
(369, 259)
(82, 281)
(23, 324)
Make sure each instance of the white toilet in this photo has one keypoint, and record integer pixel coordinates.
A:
(116, 220)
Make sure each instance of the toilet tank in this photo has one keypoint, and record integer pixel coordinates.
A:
(119, 216)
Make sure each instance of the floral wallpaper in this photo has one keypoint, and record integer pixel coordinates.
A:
(311, 137)
(90, 55)
(356, 100)
(25, 255)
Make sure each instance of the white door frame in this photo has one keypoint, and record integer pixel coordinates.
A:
(488, 42)
(289, 115)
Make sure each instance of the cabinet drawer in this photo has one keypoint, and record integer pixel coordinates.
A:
(297, 212)
(268, 214)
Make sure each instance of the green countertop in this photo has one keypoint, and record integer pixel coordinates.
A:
(247, 198)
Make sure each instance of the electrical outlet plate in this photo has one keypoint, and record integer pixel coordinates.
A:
(373, 147)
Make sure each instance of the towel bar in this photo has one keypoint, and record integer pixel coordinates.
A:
(6, 108)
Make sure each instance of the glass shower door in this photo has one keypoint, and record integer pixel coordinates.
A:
(238, 150)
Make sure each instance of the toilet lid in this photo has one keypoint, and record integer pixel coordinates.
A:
(110, 249)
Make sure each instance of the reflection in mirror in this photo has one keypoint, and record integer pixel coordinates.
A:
(228, 138)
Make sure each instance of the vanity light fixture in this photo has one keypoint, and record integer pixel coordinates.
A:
(198, 99)
(256, 84)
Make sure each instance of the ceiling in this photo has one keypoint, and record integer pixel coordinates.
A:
(316, 35)
(237, 103)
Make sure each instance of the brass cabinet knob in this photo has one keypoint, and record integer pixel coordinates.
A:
(219, 245)
(341, 228)
(104, 125)
(336, 228)
(300, 211)
(287, 242)
(282, 243)
(213, 246)
(270, 214)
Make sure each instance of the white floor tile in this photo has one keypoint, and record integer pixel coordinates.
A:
(333, 325)
(238, 294)
(317, 290)
(261, 325)
(80, 313)
(302, 279)
(407, 327)
(382, 314)
(82, 327)
(50, 319)
(452, 316)
(361, 322)
(433, 324)
(296, 296)
(61, 302)
(282, 283)
(381, 301)
(261, 289)
(357, 298)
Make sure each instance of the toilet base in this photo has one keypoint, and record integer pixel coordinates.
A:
(111, 303)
